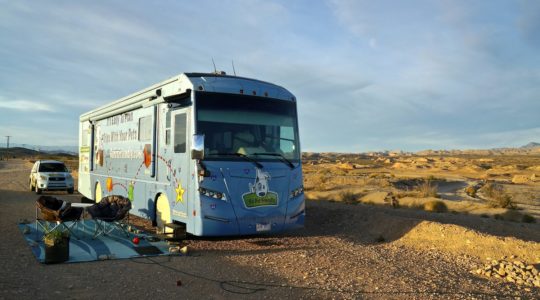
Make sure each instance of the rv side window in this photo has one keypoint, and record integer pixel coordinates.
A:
(145, 128)
(85, 137)
(168, 128)
(180, 133)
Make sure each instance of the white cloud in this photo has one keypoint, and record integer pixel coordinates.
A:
(25, 105)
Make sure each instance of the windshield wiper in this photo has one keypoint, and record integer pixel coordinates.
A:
(258, 164)
(283, 158)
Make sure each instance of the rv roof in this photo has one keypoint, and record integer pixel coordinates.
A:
(196, 81)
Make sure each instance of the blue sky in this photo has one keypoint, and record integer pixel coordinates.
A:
(368, 75)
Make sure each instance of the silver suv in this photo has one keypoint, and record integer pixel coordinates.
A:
(50, 175)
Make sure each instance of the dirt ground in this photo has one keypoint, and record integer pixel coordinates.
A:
(502, 186)
(346, 251)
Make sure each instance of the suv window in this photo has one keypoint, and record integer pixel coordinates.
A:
(52, 167)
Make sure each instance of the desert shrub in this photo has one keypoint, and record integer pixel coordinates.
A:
(348, 197)
(528, 219)
(491, 189)
(320, 181)
(471, 191)
(380, 239)
(497, 196)
(416, 206)
(498, 217)
(502, 201)
(435, 206)
(427, 189)
(484, 216)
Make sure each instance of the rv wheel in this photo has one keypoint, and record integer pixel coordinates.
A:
(163, 213)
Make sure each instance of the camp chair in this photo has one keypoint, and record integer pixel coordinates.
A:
(111, 213)
(58, 212)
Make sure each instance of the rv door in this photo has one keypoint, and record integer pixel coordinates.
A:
(180, 162)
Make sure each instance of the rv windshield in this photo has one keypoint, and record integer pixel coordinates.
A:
(252, 126)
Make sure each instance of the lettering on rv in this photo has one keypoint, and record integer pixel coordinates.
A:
(129, 154)
(120, 136)
(119, 119)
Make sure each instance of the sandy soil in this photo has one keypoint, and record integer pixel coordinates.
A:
(345, 251)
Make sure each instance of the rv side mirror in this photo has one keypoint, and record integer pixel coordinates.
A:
(197, 148)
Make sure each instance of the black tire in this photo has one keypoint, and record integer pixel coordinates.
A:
(38, 190)
(31, 186)
(70, 191)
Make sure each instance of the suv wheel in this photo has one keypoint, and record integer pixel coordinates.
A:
(31, 186)
(70, 191)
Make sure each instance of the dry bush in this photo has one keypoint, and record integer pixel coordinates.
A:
(348, 197)
(435, 206)
(318, 181)
(427, 189)
(497, 196)
(471, 191)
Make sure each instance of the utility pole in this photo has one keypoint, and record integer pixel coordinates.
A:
(7, 148)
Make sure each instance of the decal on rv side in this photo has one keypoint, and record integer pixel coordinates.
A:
(180, 193)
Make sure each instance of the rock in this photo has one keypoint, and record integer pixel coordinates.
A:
(501, 271)
(521, 179)
(488, 273)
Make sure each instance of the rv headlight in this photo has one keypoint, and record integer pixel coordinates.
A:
(212, 194)
(296, 192)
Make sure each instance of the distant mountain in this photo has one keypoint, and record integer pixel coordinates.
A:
(21, 152)
(531, 145)
(48, 149)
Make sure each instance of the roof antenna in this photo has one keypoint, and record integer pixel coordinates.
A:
(234, 71)
(215, 70)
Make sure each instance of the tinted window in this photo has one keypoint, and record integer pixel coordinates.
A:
(180, 133)
(52, 167)
(248, 125)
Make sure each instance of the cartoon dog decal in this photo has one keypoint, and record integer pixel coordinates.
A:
(260, 188)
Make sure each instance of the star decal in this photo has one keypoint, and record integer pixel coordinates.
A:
(180, 193)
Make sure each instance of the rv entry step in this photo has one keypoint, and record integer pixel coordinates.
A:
(173, 232)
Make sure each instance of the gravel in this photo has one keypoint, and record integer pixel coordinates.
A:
(335, 256)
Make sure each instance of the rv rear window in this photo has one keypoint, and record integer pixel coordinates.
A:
(145, 129)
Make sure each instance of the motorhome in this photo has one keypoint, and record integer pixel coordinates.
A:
(218, 155)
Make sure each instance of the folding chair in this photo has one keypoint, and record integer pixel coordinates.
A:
(58, 212)
(111, 213)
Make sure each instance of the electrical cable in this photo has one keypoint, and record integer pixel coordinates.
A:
(251, 287)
